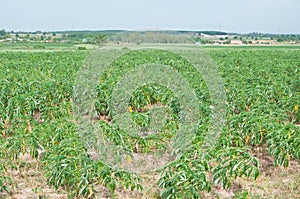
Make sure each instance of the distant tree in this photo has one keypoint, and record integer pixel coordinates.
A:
(280, 39)
(2, 32)
(227, 41)
(101, 39)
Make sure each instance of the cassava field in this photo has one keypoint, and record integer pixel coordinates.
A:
(256, 156)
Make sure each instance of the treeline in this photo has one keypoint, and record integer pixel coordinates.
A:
(151, 37)
(203, 32)
(138, 37)
(278, 37)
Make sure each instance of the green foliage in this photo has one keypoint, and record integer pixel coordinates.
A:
(39, 47)
(241, 195)
(101, 38)
(233, 163)
(3, 180)
(81, 48)
(284, 144)
(185, 178)
(2, 32)
(263, 106)
(262, 86)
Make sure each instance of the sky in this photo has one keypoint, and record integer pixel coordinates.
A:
(241, 16)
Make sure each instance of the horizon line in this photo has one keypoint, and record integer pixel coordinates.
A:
(148, 29)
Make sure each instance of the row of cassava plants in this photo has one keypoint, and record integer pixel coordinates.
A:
(262, 88)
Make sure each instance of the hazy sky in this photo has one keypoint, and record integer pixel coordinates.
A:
(274, 16)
